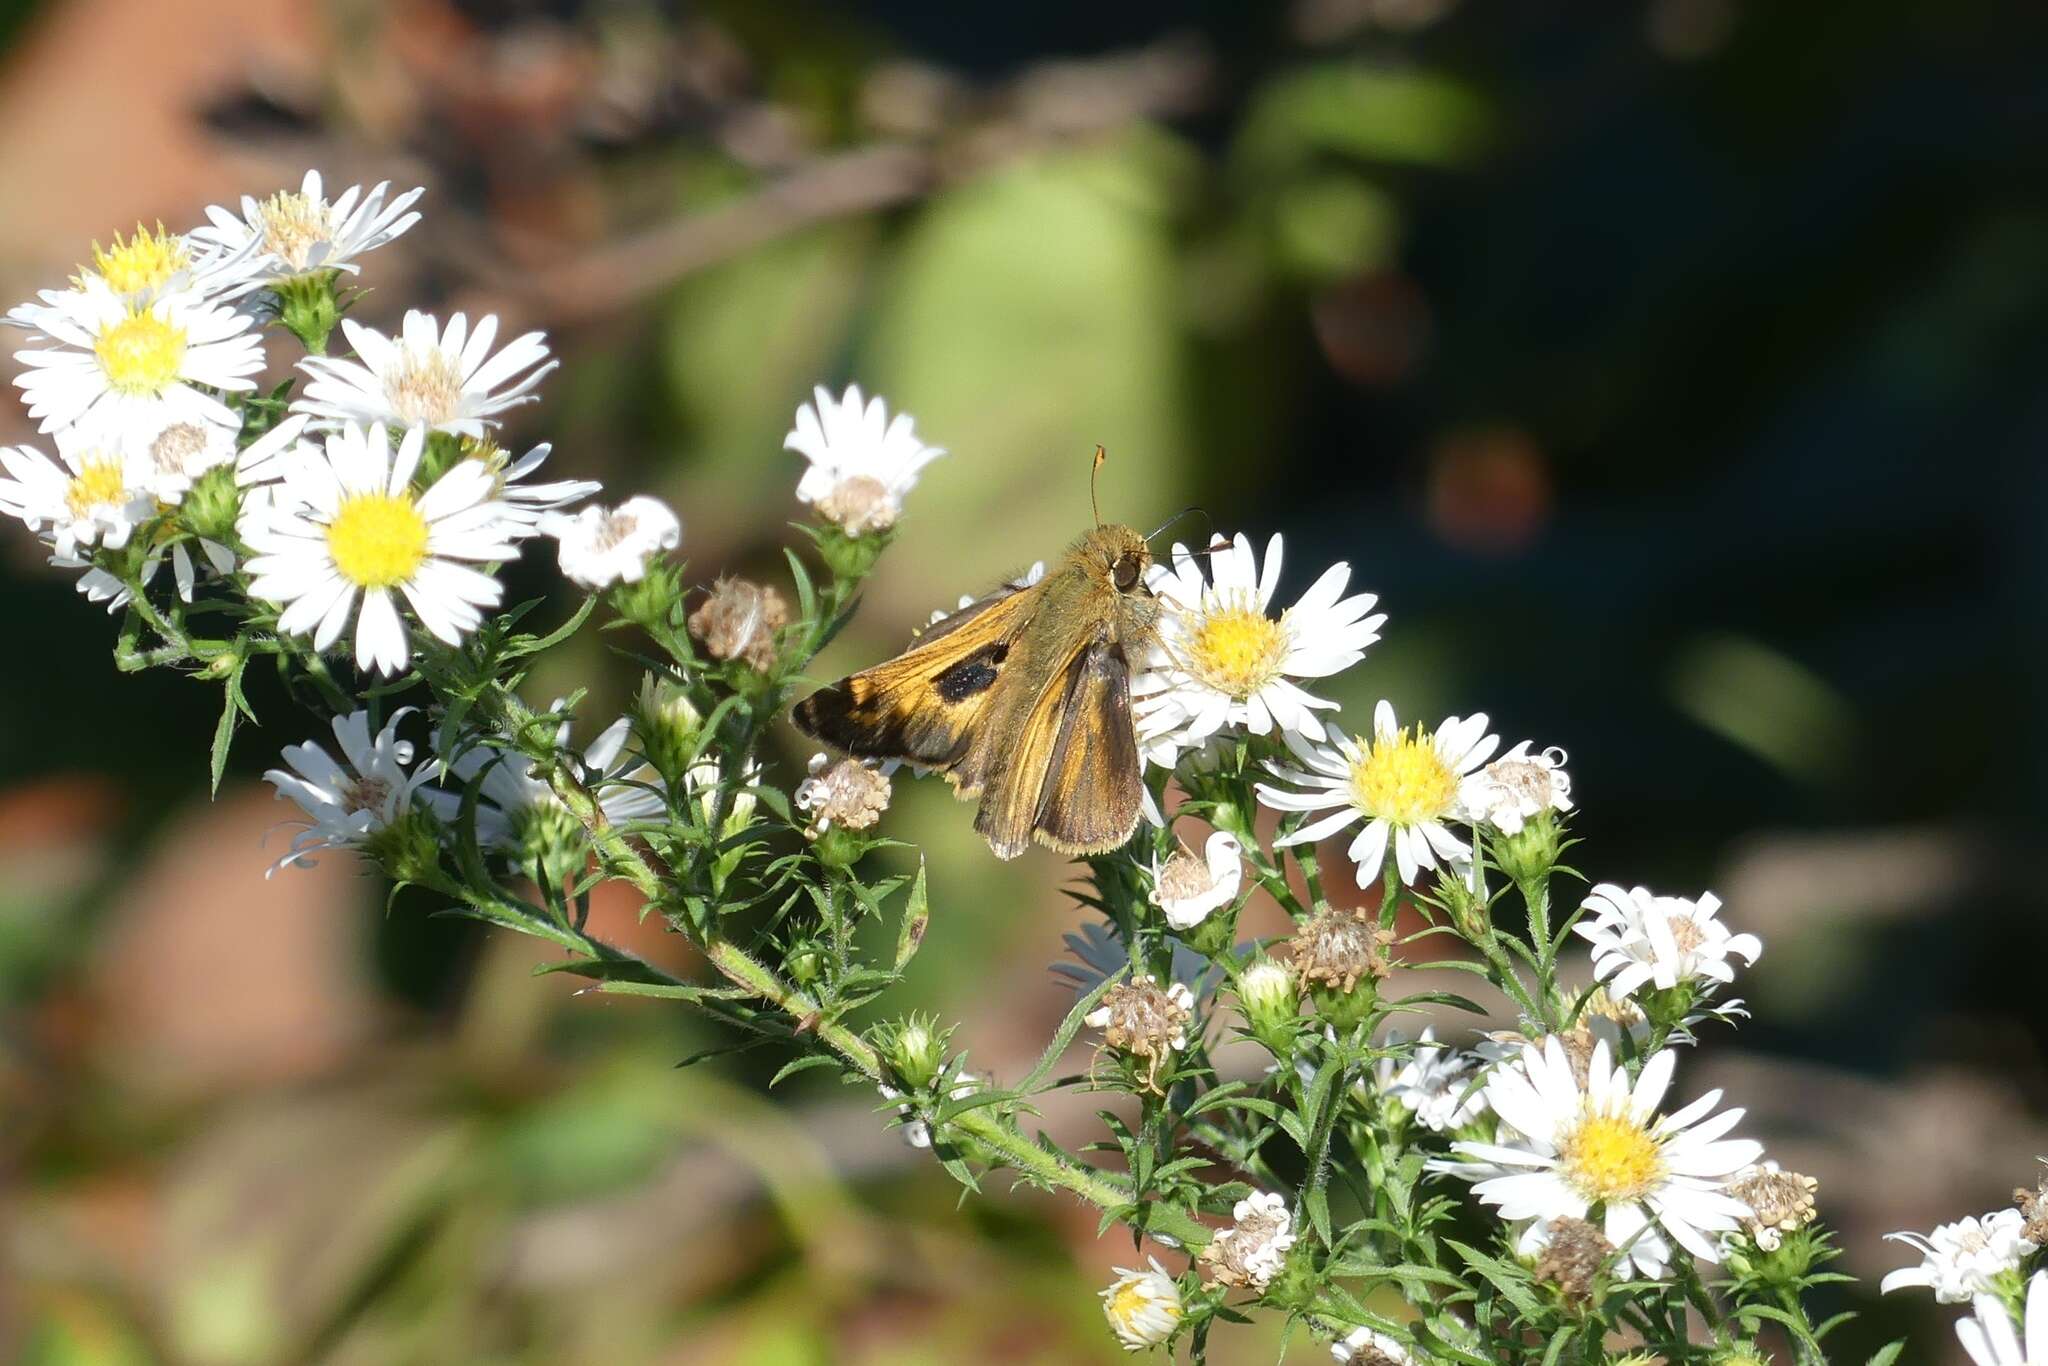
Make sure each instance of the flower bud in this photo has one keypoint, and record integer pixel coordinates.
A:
(666, 722)
(1143, 1307)
(915, 1049)
(212, 504)
(1530, 853)
(1271, 1001)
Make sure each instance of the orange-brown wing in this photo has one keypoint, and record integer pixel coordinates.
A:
(1071, 776)
(1094, 790)
(922, 706)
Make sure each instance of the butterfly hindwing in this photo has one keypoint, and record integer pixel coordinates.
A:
(1094, 790)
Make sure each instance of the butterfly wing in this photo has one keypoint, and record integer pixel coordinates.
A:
(1071, 776)
(923, 705)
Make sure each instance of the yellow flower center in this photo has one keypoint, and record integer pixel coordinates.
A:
(145, 262)
(100, 481)
(377, 539)
(293, 225)
(1401, 779)
(1134, 1297)
(142, 353)
(424, 388)
(1611, 1157)
(1237, 649)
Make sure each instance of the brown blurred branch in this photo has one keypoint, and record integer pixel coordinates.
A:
(1045, 107)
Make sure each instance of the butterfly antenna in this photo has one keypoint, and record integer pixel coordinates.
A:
(1157, 531)
(1094, 473)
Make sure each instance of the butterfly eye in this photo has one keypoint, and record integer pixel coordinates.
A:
(1126, 573)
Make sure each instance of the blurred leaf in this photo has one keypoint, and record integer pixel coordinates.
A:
(1361, 111)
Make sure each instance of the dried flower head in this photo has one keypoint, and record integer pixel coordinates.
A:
(1249, 1253)
(2033, 1207)
(1364, 1347)
(1338, 948)
(1780, 1201)
(1572, 1257)
(741, 620)
(1145, 1021)
(849, 794)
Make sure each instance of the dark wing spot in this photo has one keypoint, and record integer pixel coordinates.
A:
(974, 674)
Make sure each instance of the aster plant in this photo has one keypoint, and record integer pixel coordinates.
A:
(1535, 1184)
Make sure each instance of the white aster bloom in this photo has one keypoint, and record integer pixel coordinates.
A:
(1227, 662)
(348, 525)
(1250, 1253)
(1639, 938)
(1143, 1307)
(603, 546)
(120, 363)
(862, 464)
(351, 799)
(511, 798)
(1405, 785)
(1187, 889)
(295, 232)
(1364, 1347)
(526, 502)
(1436, 1083)
(1961, 1260)
(141, 269)
(1518, 786)
(1988, 1336)
(1602, 1145)
(94, 493)
(443, 378)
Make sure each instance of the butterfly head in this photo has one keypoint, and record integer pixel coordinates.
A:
(1119, 554)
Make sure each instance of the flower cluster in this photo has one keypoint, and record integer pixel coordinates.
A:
(350, 527)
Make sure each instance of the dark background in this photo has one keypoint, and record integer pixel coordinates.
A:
(1672, 370)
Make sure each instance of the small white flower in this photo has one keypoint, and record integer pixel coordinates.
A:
(1250, 1253)
(1187, 889)
(1435, 1083)
(1988, 1336)
(1639, 938)
(1602, 1143)
(862, 463)
(1226, 662)
(1143, 1307)
(97, 495)
(600, 546)
(122, 364)
(1512, 789)
(348, 524)
(443, 379)
(628, 790)
(142, 269)
(352, 800)
(295, 232)
(1406, 785)
(1963, 1259)
(1364, 1347)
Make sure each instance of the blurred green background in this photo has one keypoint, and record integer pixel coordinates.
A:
(1673, 369)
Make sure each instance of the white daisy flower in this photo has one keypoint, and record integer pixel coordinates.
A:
(1251, 1252)
(1187, 889)
(1229, 663)
(862, 463)
(444, 379)
(1407, 786)
(348, 525)
(526, 502)
(1364, 1347)
(1514, 788)
(349, 800)
(95, 493)
(1143, 1307)
(1988, 1336)
(628, 789)
(1640, 938)
(600, 546)
(140, 270)
(1961, 1260)
(1603, 1146)
(1435, 1083)
(293, 233)
(123, 364)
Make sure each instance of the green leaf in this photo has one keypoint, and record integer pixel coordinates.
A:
(802, 1064)
(1887, 1354)
(232, 705)
(1511, 1281)
(1069, 1027)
